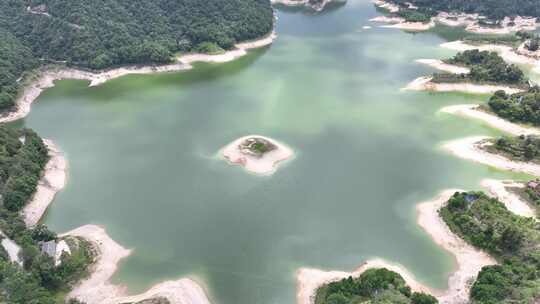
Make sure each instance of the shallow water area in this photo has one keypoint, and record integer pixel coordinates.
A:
(141, 159)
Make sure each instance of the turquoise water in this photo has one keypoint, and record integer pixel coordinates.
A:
(142, 155)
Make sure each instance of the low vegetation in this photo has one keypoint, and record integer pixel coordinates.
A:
(420, 15)
(509, 40)
(486, 67)
(373, 286)
(521, 107)
(521, 148)
(485, 223)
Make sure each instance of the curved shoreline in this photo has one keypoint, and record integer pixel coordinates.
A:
(512, 201)
(440, 65)
(400, 23)
(48, 76)
(318, 7)
(425, 83)
(469, 261)
(310, 279)
(53, 180)
(494, 121)
(506, 52)
(467, 148)
(97, 289)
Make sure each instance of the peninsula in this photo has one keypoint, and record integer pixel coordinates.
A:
(486, 71)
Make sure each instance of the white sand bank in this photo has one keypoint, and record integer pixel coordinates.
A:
(11, 248)
(310, 279)
(47, 78)
(522, 50)
(506, 52)
(469, 261)
(97, 289)
(52, 181)
(265, 165)
(240, 50)
(467, 148)
(440, 65)
(426, 84)
(412, 26)
(400, 23)
(61, 247)
(391, 7)
(512, 201)
(315, 6)
(472, 111)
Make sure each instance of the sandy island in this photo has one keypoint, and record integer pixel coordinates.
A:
(442, 66)
(468, 148)
(265, 164)
(52, 181)
(512, 201)
(469, 261)
(48, 76)
(494, 121)
(97, 289)
(425, 83)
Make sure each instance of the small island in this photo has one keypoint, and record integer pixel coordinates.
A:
(257, 154)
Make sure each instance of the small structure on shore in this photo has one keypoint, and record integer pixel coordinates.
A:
(256, 153)
(48, 248)
(534, 185)
(55, 250)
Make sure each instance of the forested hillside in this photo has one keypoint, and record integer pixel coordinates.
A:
(99, 34)
(495, 9)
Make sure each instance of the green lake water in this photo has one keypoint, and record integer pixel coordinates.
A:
(142, 159)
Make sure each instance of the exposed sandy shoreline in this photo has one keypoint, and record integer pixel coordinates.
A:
(318, 7)
(469, 21)
(310, 279)
(512, 201)
(53, 180)
(426, 84)
(239, 51)
(492, 120)
(440, 65)
(467, 148)
(265, 165)
(400, 23)
(47, 78)
(97, 289)
(469, 261)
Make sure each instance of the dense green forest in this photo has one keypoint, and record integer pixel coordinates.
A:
(22, 159)
(521, 148)
(521, 107)
(486, 67)
(513, 240)
(375, 286)
(494, 9)
(103, 34)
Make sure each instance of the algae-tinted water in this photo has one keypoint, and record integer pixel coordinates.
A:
(142, 155)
